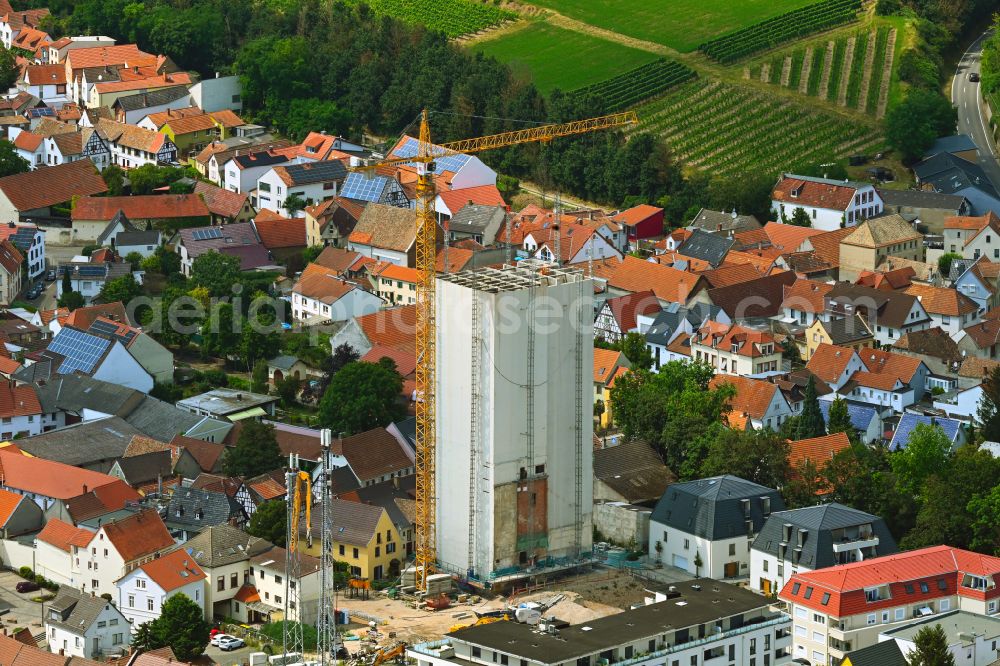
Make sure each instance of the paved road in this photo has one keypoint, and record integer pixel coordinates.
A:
(971, 112)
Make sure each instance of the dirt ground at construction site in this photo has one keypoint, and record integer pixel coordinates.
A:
(587, 597)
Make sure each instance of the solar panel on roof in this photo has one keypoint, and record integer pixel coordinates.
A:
(448, 163)
(81, 351)
(364, 188)
(91, 271)
(41, 112)
(206, 234)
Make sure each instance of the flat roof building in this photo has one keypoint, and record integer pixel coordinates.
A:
(229, 404)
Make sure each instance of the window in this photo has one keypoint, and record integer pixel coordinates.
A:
(826, 598)
(885, 616)
(801, 631)
(277, 578)
(102, 624)
(909, 588)
(687, 544)
(378, 551)
(900, 614)
(149, 603)
(801, 612)
(116, 639)
(765, 566)
(277, 599)
(818, 619)
(113, 622)
(234, 580)
(818, 636)
(924, 588)
(795, 588)
(476, 652)
(140, 583)
(809, 593)
(945, 605)
(341, 549)
(871, 618)
(220, 584)
(390, 548)
(131, 601)
(732, 549)
(355, 553)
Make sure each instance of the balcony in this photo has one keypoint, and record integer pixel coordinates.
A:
(857, 544)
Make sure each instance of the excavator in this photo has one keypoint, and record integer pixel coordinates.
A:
(381, 656)
(482, 619)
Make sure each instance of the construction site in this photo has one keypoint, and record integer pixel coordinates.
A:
(504, 452)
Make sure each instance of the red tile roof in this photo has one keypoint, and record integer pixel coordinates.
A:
(985, 334)
(813, 193)
(818, 450)
(486, 195)
(280, 232)
(28, 141)
(10, 257)
(62, 535)
(173, 570)
(392, 327)
(942, 301)
(627, 308)
(8, 502)
(138, 535)
(829, 362)
(730, 274)
(752, 395)
(899, 278)
(52, 185)
(18, 401)
(140, 207)
(221, 201)
(247, 593)
(636, 214)
(972, 223)
(99, 56)
(322, 287)
(882, 362)
(941, 568)
(806, 296)
(48, 478)
(788, 237)
(606, 361)
(635, 275)
(406, 361)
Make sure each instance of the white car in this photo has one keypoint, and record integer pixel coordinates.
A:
(218, 638)
(231, 643)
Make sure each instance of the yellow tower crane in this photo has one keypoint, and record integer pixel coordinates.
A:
(426, 256)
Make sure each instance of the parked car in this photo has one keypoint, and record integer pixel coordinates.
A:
(35, 292)
(973, 76)
(27, 586)
(231, 643)
(50, 275)
(214, 640)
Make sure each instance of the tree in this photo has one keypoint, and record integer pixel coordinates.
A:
(288, 390)
(9, 71)
(182, 626)
(255, 453)
(10, 162)
(839, 417)
(989, 407)
(67, 282)
(310, 254)
(861, 477)
(931, 648)
(804, 486)
(134, 259)
(259, 339)
(674, 410)
(758, 456)
(258, 379)
(698, 563)
(635, 350)
(985, 512)
(944, 262)
(215, 271)
(114, 177)
(219, 334)
(811, 419)
(800, 218)
(145, 638)
(71, 300)
(270, 522)
(926, 453)
(912, 125)
(123, 289)
(362, 396)
(294, 203)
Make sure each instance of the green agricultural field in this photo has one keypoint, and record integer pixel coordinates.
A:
(729, 130)
(556, 58)
(452, 17)
(679, 24)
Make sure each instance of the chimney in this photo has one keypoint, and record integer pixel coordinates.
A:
(216, 75)
(85, 489)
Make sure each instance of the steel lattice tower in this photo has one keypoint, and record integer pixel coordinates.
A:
(292, 641)
(326, 617)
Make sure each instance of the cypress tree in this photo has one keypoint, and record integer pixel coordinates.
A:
(811, 420)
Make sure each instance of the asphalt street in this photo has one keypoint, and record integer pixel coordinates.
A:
(972, 111)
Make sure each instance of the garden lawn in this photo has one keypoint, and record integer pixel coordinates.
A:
(679, 24)
(556, 58)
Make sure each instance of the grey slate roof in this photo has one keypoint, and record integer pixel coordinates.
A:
(950, 174)
(844, 331)
(922, 199)
(476, 218)
(386, 493)
(146, 467)
(633, 470)
(705, 246)
(886, 653)
(152, 98)
(353, 522)
(819, 521)
(161, 420)
(713, 221)
(958, 268)
(219, 545)
(201, 508)
(77, 611)
(94, 445)
(117, 219)
(128, 238)
(283, 362)
(712, 508)
(957, 143)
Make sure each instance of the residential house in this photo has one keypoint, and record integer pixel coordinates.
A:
(386, 233)
(364, 537)
(118, 547)
(385, 190)
(845, 607)
(267, 570)
(323, 296)
(641, 222)
(223, 552)
(572, 242)
(143, 243)
(932, 209)
(74, 146)
(101, 355)
(730, 223)
(619, 315)
(608, 366)
(804, 301)
(817, 453)
(196, 241)
(480, 222)
(628, 478)
(934, 347)
(708, 524)
(971, 638)
(758, 404)
(864, 419)
(284, 237)
(811, 538)
(133, 146)
(960, 229)
(980, 339)
(396, 285)
(54, 546)
(830, 204)
(191, 129)
(11, 272)
(668, 335)
(959, 145)
(35, 192)
(945, 173)
(886, 653)
(757, 299)
(128, 81)
(710, 248)
(961, 404)
(224, 403)
(148, 473)
(224, 206)
(210, 162)
(984, 241)
(260, 489)
(330, 222)
(888, 280)
(143, 591)
(130, 109)
(46, 82)
(732, 349)
(459, 171)
(91, 215)
(978, 280)
(14, 22)
(876, 239)
(849, 332)
(30, 242)
(631, 275)
(952, 429)
(889, 380)
(375, 456)
(83, 625)
(835, 365)
(242, 170)
(889, 314)
(450, 201)
(20, 412)
(18, 515)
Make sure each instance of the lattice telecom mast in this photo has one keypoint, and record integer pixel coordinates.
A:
(296, 480)
(326, 617)
(426, 255)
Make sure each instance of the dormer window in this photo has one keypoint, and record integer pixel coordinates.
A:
(734, 347)
(977, 582)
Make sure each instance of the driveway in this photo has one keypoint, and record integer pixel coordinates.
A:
(231, 658)
(971, 115)
(21, 610)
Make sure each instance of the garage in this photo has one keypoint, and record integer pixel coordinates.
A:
(680, 562)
